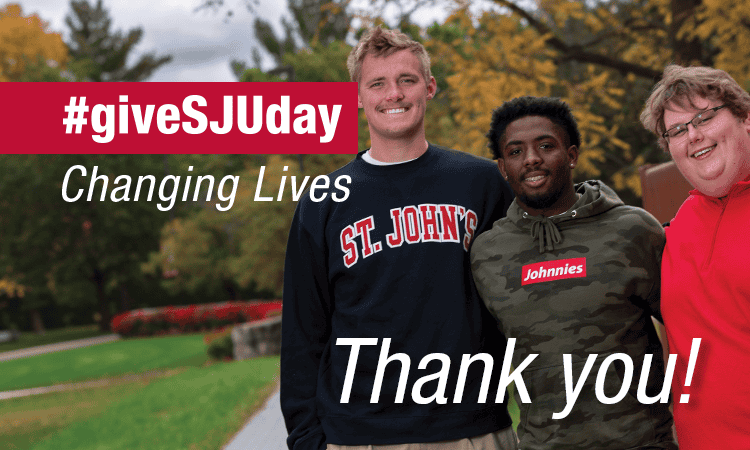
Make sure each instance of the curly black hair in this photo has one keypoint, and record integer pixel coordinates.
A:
(554, 109)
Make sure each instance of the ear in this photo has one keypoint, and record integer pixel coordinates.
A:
(501, 166)
(431, 88)
(746, 122)
(573, 156)
(359, 101)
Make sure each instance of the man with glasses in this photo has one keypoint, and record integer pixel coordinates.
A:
(680, 131)
(703, 119)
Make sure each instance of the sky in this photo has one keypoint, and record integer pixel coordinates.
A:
(202, 42)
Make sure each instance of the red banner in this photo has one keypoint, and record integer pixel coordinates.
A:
(262, 118)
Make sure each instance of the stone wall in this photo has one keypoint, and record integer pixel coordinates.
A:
(259, 338)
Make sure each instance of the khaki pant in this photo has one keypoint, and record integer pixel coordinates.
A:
(500, 440)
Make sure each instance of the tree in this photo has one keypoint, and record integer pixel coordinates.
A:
(27, 45)
(194, 254)
(231, 248)
(264, 226)
(316, 23)
(640, 37)
(242, 248)
(601, 57)
(499, 58)
(82, 252)
(100, 54)
(723, 27)
(195, 246)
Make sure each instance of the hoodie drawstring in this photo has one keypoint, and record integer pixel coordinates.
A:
(546, 231)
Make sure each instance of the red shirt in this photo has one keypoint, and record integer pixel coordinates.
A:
(706, 294)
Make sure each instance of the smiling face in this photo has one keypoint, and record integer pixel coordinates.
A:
(537, 163)
(714, 156)
(394, 94)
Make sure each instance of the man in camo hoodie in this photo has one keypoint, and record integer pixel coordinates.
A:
(573, 271)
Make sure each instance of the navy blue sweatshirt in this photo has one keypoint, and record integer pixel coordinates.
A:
(391, 263)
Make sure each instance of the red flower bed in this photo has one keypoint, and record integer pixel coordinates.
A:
(191, 318)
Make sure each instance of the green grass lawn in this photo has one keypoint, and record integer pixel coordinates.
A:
(103, 360)
(30, 339)
(198, 408)
(28, 420)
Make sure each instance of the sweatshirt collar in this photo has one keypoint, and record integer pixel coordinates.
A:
(739, 188)
(594, 198)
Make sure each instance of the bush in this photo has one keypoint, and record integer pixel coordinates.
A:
(220, 344)
(191, 318)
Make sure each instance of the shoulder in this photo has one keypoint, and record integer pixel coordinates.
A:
(491, 240)
(322, 192)
(463, 159)
(690, 209)
(637, 214)
(349, 168)
(632, 221)
(478, 175)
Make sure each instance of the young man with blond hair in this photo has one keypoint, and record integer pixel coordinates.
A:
(702, 118)
(379, 303)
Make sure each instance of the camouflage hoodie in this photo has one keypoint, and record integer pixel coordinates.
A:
(583, 282)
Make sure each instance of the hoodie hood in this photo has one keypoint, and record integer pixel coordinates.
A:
(594, 198)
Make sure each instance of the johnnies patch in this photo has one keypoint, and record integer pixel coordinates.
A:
(553, 270)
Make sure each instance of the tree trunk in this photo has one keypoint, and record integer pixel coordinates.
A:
(125, 303)
(104, 314)
(686, 50)
(36, 322)
(229, 288)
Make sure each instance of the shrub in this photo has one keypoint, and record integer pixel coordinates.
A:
(220, 344)
(191, 318)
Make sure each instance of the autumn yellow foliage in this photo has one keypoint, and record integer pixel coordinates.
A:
(726, 26)
(26, 41)
(10, 288)
(497, 59)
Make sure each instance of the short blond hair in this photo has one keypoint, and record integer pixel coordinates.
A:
(380, 42)
(680, 85)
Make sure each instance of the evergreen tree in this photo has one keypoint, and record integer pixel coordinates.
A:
(100, 54)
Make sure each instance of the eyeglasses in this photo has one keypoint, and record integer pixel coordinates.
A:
(702, 118)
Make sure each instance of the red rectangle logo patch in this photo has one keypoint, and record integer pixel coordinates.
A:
(553, 270)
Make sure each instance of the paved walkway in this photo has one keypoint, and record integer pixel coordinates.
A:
(264, 431)
(87, 384)
(49, 348)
